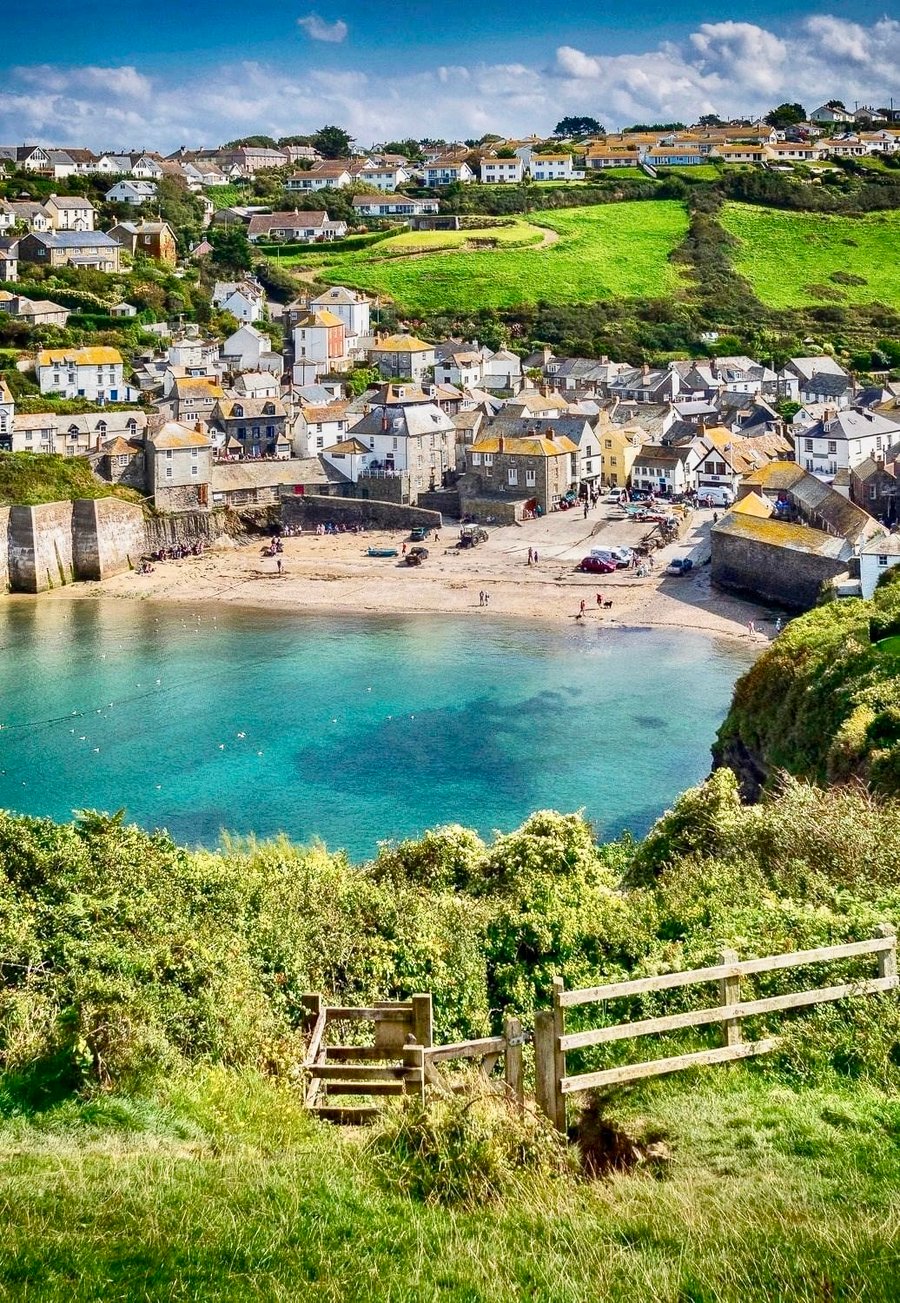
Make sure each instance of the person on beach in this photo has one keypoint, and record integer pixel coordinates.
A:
(585, 511)
(751, 628)
(481, 597)
(535, 556)
(582, 606)
(599, 599)
(530, 555)
(280, 564)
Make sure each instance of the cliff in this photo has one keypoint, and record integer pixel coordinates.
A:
(823, 703)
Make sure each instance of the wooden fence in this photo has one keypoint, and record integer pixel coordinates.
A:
(551, 1042)
(486, 1051)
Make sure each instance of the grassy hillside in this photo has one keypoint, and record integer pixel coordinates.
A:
(221, 1190)
(613, 250)
(27, 479)
(794, 259)
(823, 703)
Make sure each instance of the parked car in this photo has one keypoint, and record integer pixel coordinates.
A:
(416, 555)
(682, 565)
(597, 565)
(619, 556)
(418, 534)
(615, 495)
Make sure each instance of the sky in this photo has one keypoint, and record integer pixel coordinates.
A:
(130, 76)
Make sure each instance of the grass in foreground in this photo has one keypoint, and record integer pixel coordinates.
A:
(615, 250)
(790, 258)
(222, 1189)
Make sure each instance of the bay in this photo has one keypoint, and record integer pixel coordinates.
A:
(350, 729)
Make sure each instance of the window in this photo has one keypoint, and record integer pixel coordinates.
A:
(195, 453)
(512, 475)
(195, 471)
(882, 560)
(168, 472)
(168, 454)
(612, 461)
(476, 458)
(832, 445)
(529, 479)
(873, 492)
(808, 445)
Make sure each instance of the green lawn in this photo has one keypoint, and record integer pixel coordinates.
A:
(789, 258)
(614, 250)
(220, 1189)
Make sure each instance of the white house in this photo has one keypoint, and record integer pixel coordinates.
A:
(826, 114)
(447, 172)
(93, 373)
(70, 213)
(349, 306)
(502, 370)
(243, 299)
(501, 171)
(664, 470)
(384, 176)
(131, 192)
(552, 167)
(349, 457)
(393, 206)
(841, 440)
(328, 175)
(875, 559)
(318, 427)
(462, 366)
(247, 348)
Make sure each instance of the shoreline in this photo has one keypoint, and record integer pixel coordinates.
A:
(336, 579)
(331, 574)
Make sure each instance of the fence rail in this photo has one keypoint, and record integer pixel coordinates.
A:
(552, 1043)
(487, 1051)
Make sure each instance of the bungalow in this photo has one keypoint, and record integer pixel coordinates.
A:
(70, 213)
(599, 157)
(296, 228)
(740, 153)
(501, 171)
(93, 373)
(393, 206)
(445, 171)
(794, 151)
(674, 156)
(131, 192)
(34, 312)
(328, 175)
(845, 147)
(71, 249)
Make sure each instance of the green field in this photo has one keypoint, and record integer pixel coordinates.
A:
(789, 258)
(616, 250)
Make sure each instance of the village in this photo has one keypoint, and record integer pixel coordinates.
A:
(776, 484)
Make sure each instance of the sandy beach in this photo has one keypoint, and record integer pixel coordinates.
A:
(333, 573)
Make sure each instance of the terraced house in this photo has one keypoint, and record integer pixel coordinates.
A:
(93, 373)
(537, 470)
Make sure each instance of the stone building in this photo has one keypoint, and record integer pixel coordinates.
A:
(179, 467)
(538, 468)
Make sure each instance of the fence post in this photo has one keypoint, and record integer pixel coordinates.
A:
(559, 1055)
(512, 1060)
(312, 1004)
(414, 1063)
(544, 1074)
(730, 993)
(887, 959)
(423, 1028)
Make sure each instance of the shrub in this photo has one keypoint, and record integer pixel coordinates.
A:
(464, 1150)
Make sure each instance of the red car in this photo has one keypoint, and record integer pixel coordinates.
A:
(596, 565)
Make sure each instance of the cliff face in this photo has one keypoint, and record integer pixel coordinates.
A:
(823, 703)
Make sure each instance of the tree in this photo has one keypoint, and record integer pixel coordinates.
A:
(786, 115)
(257, 142)
(231, 248)
(711, 120)
(294, 140)
(578, 127)
(408, 148)
(362, 378)
(333, 142)
(838, 105)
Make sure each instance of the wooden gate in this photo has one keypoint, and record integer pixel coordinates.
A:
(392, 1064)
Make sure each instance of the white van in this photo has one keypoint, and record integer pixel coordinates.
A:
(717, 495)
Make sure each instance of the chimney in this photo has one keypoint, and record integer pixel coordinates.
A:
(701, 425)
(645, 369)
(501, 444)
(550, 433)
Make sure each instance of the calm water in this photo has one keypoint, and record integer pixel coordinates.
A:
(351, 729)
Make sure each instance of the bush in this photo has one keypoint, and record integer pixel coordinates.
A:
(465, 1150)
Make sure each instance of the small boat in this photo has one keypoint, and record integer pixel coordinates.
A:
(383, 551)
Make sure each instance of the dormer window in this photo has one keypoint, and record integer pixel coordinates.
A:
(237, 410)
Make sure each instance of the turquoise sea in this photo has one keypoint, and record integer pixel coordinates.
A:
(355, 730)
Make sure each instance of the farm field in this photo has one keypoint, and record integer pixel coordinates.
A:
(796, 259)
(616, 250)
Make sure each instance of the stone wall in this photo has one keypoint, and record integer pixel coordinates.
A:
(186, 527)
(4, 549)
(40, 553)
(492, 511)
(771, 574)
(311, 509)
(107, 537)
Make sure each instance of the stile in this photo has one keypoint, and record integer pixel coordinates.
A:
(422, 1019)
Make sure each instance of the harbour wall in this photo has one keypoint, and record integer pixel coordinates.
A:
(55, 543)
(314, 509)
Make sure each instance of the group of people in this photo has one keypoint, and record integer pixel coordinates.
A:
(178, 551)
(331, 528)
(532, 556)
(483, 597)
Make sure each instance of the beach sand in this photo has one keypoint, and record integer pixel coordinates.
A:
(333, 573)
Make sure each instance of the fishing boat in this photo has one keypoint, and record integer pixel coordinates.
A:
(383, 551)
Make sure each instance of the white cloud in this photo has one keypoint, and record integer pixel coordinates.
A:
(728, 68)
(317, 29)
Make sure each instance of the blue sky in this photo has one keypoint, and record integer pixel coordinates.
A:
(136, 74)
